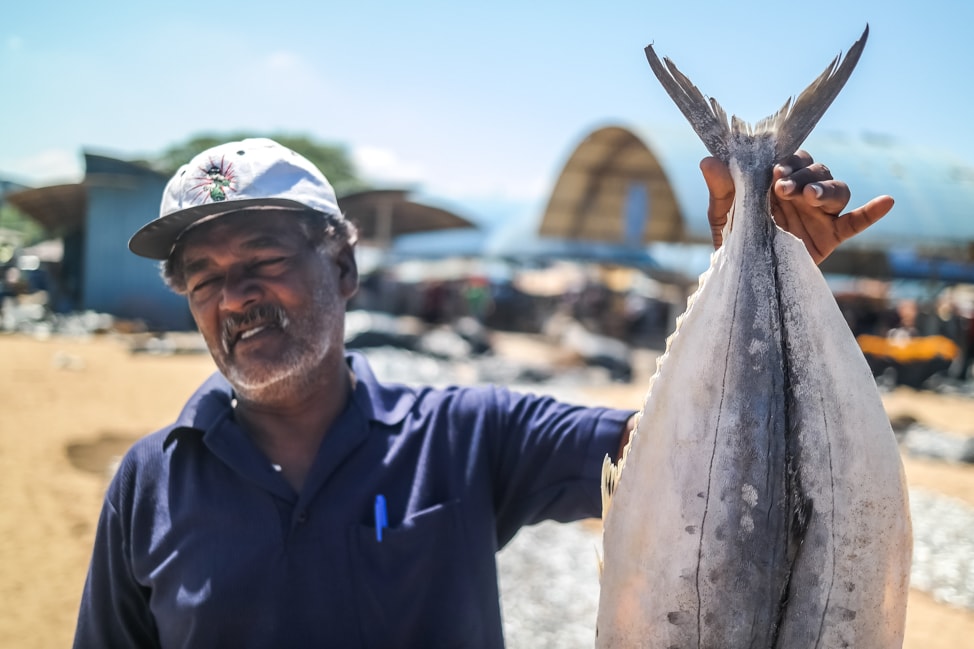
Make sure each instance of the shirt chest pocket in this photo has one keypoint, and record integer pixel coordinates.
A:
(412, 588)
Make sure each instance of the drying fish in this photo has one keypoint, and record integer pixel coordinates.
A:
(762, 501)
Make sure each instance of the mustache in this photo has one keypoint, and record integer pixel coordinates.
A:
(262, 314)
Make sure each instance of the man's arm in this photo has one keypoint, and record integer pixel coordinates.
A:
(114, 609)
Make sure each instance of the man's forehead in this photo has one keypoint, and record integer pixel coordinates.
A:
(244, 230)
(246, 226)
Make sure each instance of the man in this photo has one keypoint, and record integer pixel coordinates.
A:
(298, 502)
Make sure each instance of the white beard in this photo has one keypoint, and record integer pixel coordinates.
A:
(312, 337)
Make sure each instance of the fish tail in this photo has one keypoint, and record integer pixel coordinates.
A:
(791, 124)
(794, 122)
(705, 115)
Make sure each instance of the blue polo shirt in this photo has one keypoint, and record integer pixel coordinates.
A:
(202, 543)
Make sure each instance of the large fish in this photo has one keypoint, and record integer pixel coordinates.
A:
(762, 501)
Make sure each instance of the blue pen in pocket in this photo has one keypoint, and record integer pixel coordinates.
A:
(381, 520)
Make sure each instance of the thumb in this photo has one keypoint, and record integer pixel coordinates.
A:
(720, 184)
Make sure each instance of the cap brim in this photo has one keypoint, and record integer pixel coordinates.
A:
(156, 238)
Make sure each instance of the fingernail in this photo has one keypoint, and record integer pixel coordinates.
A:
(786, 186)
(785, 170)
(817, 189)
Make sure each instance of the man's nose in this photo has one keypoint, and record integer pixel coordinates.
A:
(240, 291)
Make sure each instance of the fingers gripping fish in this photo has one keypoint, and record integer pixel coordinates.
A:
(761, 502)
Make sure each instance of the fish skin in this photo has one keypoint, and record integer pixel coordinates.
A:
(762, 501)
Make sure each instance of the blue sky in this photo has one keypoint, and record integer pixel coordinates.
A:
(476, 104)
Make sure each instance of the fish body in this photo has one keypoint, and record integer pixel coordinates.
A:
(762, 501)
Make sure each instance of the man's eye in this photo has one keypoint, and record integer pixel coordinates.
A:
(202, 284)
(270, 263)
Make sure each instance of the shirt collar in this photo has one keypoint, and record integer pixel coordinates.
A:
(204, 409)
(387, 404)
(208, 404)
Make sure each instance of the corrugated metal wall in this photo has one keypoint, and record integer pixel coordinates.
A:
(122, 198)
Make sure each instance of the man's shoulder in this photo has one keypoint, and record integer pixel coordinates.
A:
(390, 401)
(147, 461)
(427, 398)
(141, 466)
(150, 451)
(205, 408)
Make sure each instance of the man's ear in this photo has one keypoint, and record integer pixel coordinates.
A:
(347, 271)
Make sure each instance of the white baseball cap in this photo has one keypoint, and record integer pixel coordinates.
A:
(252, 173)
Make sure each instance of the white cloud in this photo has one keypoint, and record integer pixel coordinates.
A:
(49, 167)
(384, 167)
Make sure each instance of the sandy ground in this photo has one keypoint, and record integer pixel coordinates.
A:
(68, 406)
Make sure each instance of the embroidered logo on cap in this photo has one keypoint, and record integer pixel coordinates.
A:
(216, 181)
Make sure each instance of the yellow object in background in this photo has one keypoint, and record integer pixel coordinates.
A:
(908, 350)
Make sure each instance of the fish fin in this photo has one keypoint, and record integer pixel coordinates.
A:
(612, 472)
(795, 121)
(610, 478)
(706, 116)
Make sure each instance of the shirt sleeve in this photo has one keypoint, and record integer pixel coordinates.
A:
(547, 459)
(114, 607)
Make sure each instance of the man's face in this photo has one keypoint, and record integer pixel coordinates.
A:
(270, 307)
